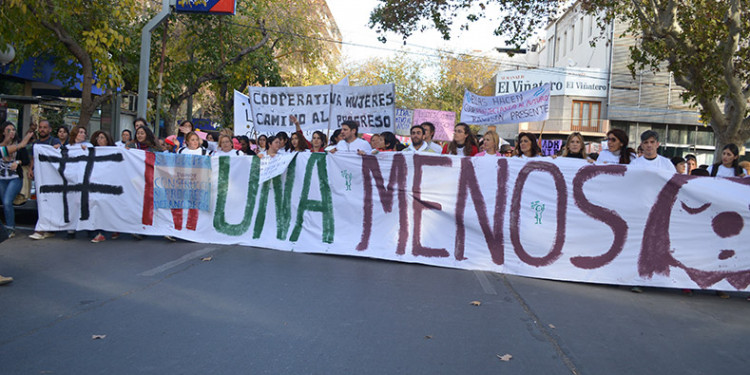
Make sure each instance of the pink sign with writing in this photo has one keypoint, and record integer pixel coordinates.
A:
(444, 122)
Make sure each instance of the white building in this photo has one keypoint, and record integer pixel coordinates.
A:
(599, 91)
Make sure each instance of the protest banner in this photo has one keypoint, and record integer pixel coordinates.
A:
(551, 146)
(403, 121)
(243, 114)
(271, 167)
(271, 107)
(182, 181)
(561, 219)
(444, 122)
(373, 107)
(526, 106)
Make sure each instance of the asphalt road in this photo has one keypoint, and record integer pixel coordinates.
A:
(164, 310)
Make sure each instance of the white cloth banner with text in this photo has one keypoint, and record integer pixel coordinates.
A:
(373, 107)
(527, 106)
(560, 219)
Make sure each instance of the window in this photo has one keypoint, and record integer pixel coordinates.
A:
(572, 37)
(565, 42)
(585, 116)
(591, 25)
(580, 32)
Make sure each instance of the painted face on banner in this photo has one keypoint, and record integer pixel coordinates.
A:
(691, 208)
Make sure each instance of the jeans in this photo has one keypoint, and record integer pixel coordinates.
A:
(8, 191)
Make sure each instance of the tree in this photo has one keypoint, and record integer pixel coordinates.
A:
(266, 43)
(436, 83)
(704, 43)
(85, 37)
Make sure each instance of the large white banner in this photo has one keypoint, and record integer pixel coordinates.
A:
(373, 107)
(271, 107)
(527, 106)
(243, 114)
(563, 81)
(560, 219)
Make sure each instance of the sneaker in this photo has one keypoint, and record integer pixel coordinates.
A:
(99, 238)
(115, 235)
(636, 289)
(11, 233)
(137, 236)
(41, 235)
(5, 280)
(170, 238)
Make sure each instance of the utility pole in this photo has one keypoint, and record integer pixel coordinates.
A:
(166, 9)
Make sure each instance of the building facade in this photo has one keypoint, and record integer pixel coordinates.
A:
(574, 48)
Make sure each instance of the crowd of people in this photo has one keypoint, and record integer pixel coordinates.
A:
(17, 153)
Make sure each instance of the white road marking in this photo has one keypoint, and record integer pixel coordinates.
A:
(485, 282)
(177, 262)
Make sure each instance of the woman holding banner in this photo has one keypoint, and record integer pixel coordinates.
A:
(617, 149)
(574, 148)
(226, 147)
(728, 166)
(463, 142)
(262, 144)
(528, 146)
(491, 144)
(318, 143)
(274, 145)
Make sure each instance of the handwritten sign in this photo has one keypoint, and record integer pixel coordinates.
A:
(271, 107)
(531, 105)
(373, 107)
(551, 146)
(403, 121)
(444, 122)
(182, 181)
(271, 167)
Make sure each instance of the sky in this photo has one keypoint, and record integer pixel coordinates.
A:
(352, 18)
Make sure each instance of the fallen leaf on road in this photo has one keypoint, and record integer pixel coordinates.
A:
(505, 358)
(98, 337)
(475, 303)
(552, 326)
(428, 337)
(207, 259)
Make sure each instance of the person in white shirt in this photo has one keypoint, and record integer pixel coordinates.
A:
(418, 144)
(78, 138)
(274, 147)
(192, 145)
(429, 132)
(617, 149)
(125, 138)
(226, 148)
(527, 146)
(350, 142)
(650, 159)
(729, 165)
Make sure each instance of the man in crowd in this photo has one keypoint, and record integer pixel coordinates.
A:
(350, 142)
(417, 142)
(44, 138)
(650, 159)
(429, 132)
(124, 138)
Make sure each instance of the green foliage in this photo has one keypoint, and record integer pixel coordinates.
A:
(705, 43)
(426, 83)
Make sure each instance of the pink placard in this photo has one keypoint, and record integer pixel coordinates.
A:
(444, 122)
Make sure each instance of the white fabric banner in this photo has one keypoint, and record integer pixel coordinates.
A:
(271, 167)
(527, 106)
(373, 107)
(243, 114)
(271, 107)
(559, 219)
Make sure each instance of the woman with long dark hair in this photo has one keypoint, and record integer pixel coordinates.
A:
(318, 141)
(144, 140)
(617, 151)
(729, 166)
(527, 146)
(463, 142)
